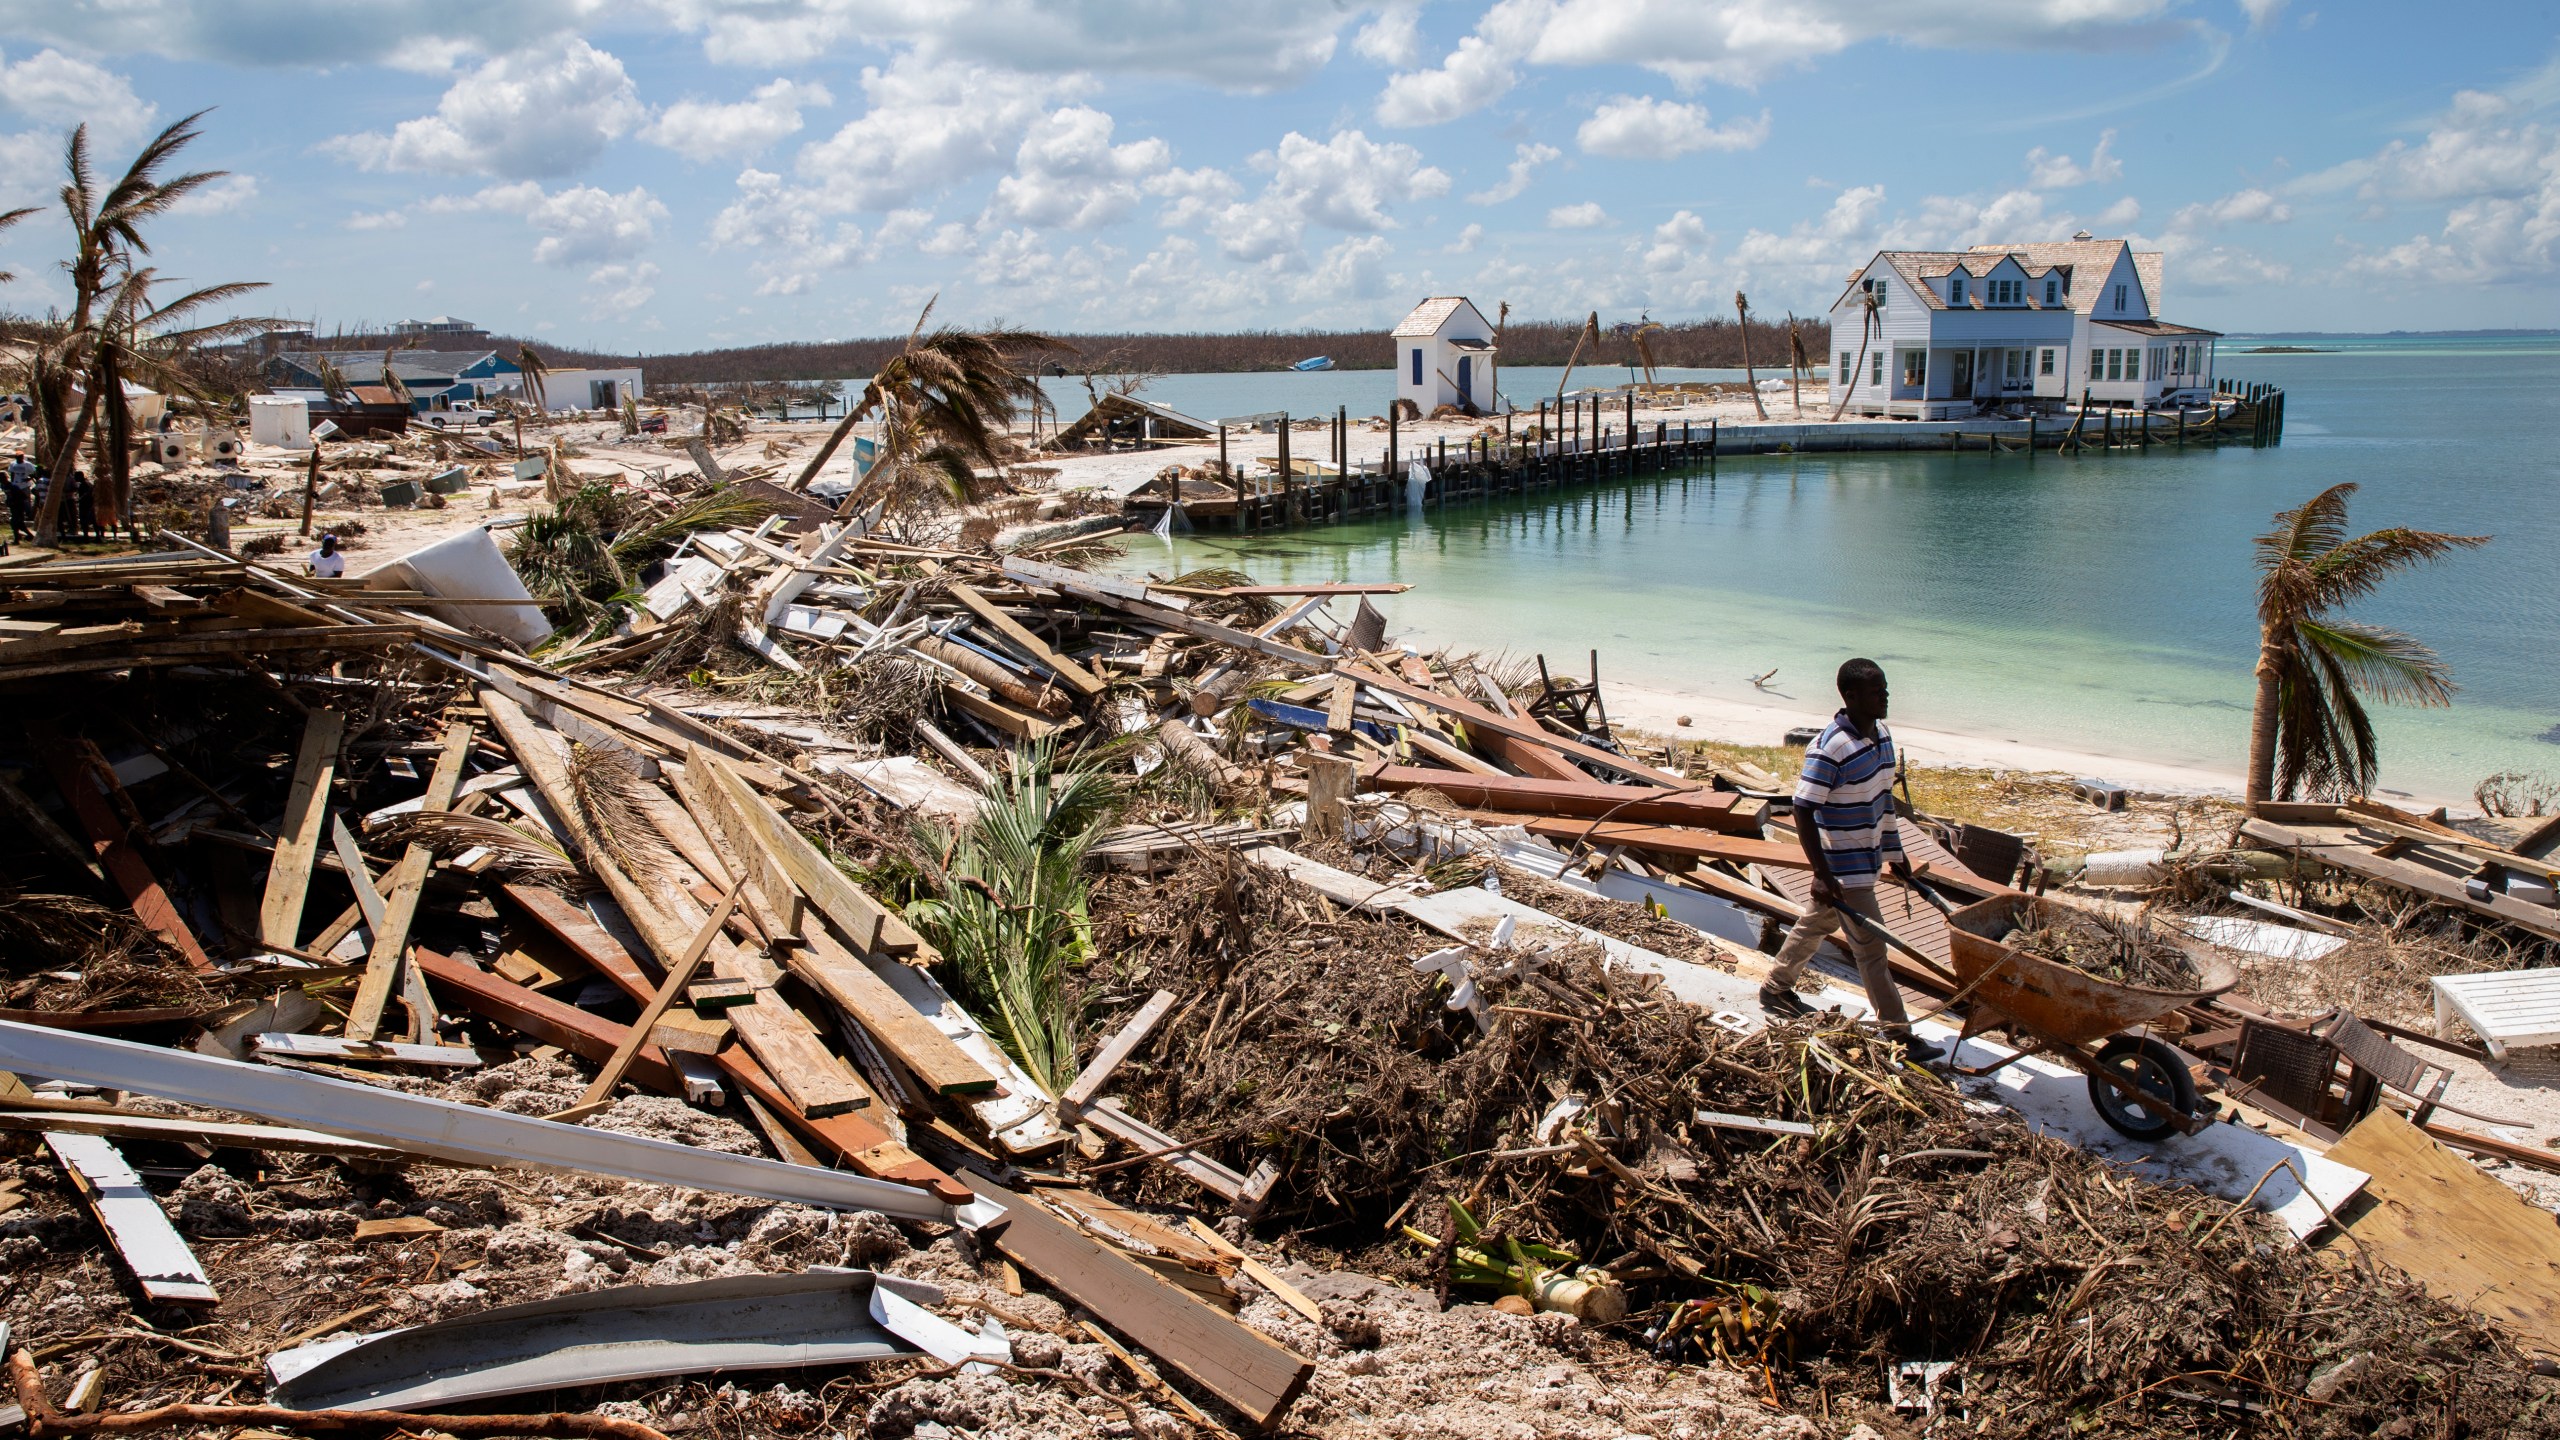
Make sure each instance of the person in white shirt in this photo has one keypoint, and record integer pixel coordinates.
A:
(326, 562)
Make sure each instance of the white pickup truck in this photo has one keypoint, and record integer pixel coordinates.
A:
(462, 415)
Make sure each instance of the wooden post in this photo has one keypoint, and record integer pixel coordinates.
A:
(1224, 472)
(1331, 779)
(1395, 463)
(306, 818)
(1288, 482)
(2031, 435)
(310, 487)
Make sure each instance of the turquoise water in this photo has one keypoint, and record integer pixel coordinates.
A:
(2095, 603)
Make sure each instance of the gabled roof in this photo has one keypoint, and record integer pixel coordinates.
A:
(2089, 257)
(1919, 267)
(1429, 316)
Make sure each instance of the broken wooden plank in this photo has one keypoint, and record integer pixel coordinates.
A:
(306, 816)
(1257, 1376)
(1586, 798)
(334, 1047)
(1077, 678)
(865, 923)
(1661, 840)
(408, 879)
(599, 1092)
(1476, 717)
(86, 783)
(360, 877)
(1114, 1052)
(1178, 1155)
(2435, 885)
(2464, 1236)
(149, 1245)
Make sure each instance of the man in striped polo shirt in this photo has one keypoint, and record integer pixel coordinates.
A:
(1845, 820)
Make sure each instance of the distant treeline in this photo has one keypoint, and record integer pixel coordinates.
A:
(1705, 344)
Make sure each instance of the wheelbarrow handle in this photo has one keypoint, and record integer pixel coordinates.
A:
(1877, 930)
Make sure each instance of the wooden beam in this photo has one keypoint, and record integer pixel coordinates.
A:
(1020, 724)
(306, 816)
(599, 1091)
(864, 922)
(848, 1139)
(1477, 717)
(1256, 1376)
(1664, 840)
(86, 781)
(1077, 678)
(1123, 1043)
(1093, 588)
(2356, 860)
(1520, 795)
(360, 877)
(408, 880)
(1430, 742)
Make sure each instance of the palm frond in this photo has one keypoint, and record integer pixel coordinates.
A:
(2393, 668)
(517, 852)
(714, 508)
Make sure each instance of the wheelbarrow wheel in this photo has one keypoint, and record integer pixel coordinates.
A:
(2154, 1068)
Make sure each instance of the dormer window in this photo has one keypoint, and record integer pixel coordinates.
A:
(1955, 289)
(2008, 292)
(2052, 291)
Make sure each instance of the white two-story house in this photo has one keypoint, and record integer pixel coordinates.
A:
(2011, 327)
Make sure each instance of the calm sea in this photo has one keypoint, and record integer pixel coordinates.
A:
(2096, 603)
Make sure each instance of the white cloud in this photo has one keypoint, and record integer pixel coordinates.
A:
(929, 126)
(1586, 216)
(1068, 173)
(2497, 169)
(581, 225)
(2261, 13)
(1642, 128)
(2060, 172)
(800, 234)
(377, 220)
(1743, 42)
(1195, 194)
(615, 291)
(1394, 38)
(702, 130)
(1353, 269)
(55, 90)
(537, 113)
(2240, 207)
(1525, 160)
(1467, 241)
(1345, 183)
(2119, 215)
(1480, 71)
(231, 192)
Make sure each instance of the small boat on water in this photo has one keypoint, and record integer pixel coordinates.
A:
(1314, 362)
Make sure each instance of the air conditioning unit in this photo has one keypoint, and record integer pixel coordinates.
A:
(169, 449)
(222, 449)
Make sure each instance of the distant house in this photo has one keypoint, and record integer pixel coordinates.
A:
(1128, 420)
(1445, 356)
(443, 329)
(359, 411)
(2024, 325)
(587, 389)
(435, 379)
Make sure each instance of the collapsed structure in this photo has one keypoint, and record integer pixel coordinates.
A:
(938, 986)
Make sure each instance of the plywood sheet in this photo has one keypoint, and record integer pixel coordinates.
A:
(2466, 1237)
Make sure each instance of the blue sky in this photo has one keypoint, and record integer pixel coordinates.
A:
(670, 174)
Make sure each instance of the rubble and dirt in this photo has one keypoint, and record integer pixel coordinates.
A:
(946, 825)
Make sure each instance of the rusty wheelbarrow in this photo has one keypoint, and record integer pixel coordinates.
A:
(2139, 1083)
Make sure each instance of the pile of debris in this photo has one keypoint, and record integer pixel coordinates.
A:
(894, 957)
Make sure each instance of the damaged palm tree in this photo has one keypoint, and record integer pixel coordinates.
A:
(1011, 909)
(944, 401)
(579, 557)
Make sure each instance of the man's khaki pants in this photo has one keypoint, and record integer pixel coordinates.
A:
(1820, 923)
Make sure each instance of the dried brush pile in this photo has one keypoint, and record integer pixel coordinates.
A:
(1910, 1225)
(2125, 951)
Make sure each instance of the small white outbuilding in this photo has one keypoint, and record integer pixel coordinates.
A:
(1444, 355)
(283, 421)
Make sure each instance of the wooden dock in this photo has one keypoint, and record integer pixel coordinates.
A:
(1585, 448)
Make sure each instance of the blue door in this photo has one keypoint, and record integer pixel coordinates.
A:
(1466, 379)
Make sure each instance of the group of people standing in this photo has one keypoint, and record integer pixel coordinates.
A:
(26, 484)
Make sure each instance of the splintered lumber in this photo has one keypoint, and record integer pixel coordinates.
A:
(1074, 676)
(599, 1091)
(1536, 761)
(1020, 724)
(1255, 1375)
(1518, 795)
(306, 816)
(850, 1139)
(1045, 701)
(1665, 840)
(818, 1082)
(537, 1016)
(1104, 591)
(2335, 846)
(865, 923)
(86, 781)
(1154, 1144)
(1123, 1044)
(360, 876)
(1477, 718)
(2464, 1236)
(1431, 743)
(149, 1245)
(888, 1019)
(400, 908)
(1331, 782)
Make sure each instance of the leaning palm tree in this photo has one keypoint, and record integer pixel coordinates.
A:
(1750, 378)
(2309, 729)
(156, 344)
(1869, 321)
(944, 401)
(537, 377)
(106, 228)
